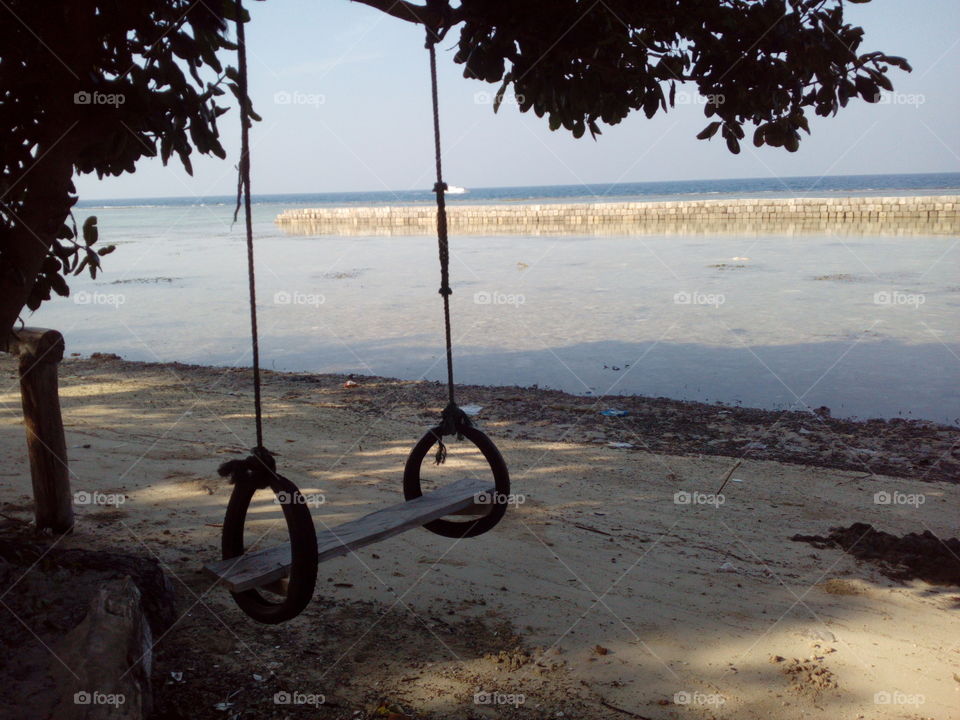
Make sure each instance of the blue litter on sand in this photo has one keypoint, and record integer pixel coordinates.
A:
(615, 413)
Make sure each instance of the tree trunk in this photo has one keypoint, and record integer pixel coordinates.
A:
(104, 664)
(40, 354)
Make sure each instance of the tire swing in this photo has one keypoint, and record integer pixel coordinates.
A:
(290, 570)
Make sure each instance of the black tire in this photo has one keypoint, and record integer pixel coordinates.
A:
(501, 480)
(303, 543)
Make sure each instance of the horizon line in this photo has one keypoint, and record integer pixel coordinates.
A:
(818, 178)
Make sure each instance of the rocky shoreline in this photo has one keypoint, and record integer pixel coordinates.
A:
(917, 449)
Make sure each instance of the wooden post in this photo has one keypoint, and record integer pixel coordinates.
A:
(40, 353)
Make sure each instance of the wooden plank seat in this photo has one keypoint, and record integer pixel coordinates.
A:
(261, 568)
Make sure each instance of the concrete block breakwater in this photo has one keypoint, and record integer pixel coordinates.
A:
(911, 215)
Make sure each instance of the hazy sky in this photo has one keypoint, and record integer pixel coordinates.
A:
(357, 116)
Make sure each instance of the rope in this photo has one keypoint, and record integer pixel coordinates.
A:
(258, 471)
(439, 188)
(453, 418)
(243, 192)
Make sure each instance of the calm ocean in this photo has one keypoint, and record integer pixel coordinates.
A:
(835, 186)
(866, 325)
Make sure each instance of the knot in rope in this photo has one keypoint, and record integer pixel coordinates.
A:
(435, 34)
(258, 469)
(452, 422)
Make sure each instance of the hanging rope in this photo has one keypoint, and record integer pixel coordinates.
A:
(258, 467)
(453, 418)
(258, 471)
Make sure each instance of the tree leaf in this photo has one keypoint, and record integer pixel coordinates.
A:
(709, 131)
(758, 135)
(59, 285)
(498, 98)
(90, 233)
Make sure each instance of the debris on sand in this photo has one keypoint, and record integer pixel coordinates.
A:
(810, 676)
(921, 556)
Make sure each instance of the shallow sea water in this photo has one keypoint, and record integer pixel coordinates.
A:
(867, 325)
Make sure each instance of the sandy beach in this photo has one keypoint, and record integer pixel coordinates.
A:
(288, 290)
(604, 594)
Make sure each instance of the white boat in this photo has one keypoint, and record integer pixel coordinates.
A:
(455, 190)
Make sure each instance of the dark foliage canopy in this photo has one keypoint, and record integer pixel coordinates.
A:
(100, 84)
(762, 63)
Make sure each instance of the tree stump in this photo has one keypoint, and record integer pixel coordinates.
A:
(104, 663)
(40, 353)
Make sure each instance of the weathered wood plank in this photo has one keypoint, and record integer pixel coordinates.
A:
(475, 510)
(263, 567)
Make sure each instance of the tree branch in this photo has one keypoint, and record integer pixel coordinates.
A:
(405, 11)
